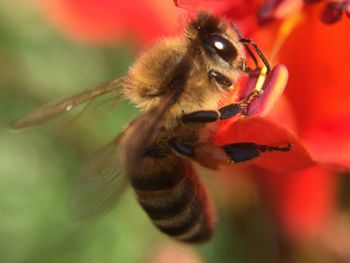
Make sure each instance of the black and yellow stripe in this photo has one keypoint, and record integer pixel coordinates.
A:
(175, 200)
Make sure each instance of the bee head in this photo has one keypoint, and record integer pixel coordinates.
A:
(219, 48)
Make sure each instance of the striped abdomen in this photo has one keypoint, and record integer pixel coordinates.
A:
(174, 198)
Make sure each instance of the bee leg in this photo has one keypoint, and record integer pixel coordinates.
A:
(245, 151)
(211, 116)
(223, 113)
(206, 154)
(244, 104)
(201, 116)
(214, 157)
(219, 78)
(181, 148)
(230, 111)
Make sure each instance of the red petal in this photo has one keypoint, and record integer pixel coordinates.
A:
(277, 9)
(282, 113)
(329, 141)
(263, 131)
(209, 5)
(108, 21)
(304, 201)
(317, 56)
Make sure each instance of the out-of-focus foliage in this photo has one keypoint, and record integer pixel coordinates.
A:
(37, 167)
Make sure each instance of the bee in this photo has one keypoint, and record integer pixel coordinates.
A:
(177, 84)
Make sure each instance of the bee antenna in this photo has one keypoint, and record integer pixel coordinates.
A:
(251, 54)
(240, 36)
(257, 49)
(259, 52)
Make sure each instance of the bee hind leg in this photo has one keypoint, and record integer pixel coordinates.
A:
(214, 157)
(245, 151)
(206, 154)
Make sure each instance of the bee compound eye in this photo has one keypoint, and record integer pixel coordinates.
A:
(223, 47)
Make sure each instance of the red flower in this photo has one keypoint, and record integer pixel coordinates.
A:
(110, 21)
(315, 108)
(301, 192)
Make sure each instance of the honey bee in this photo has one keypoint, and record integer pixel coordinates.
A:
(177, 84)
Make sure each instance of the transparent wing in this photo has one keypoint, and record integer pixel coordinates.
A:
(100, 183)
(103, 179)
(86, 116)
(54, 110)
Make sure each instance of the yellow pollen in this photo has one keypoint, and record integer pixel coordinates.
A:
(261, 80)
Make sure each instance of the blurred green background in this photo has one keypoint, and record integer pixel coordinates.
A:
(37, 166)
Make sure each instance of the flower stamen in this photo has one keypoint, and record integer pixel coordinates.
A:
(285, 30)
(333, 10)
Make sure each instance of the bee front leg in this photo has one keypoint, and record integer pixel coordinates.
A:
(223, 113)
(211, 116)
(214, 157)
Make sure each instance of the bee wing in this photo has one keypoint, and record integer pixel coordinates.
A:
(103, 179)
(143, 131)
(54, 110)
(100, 183)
